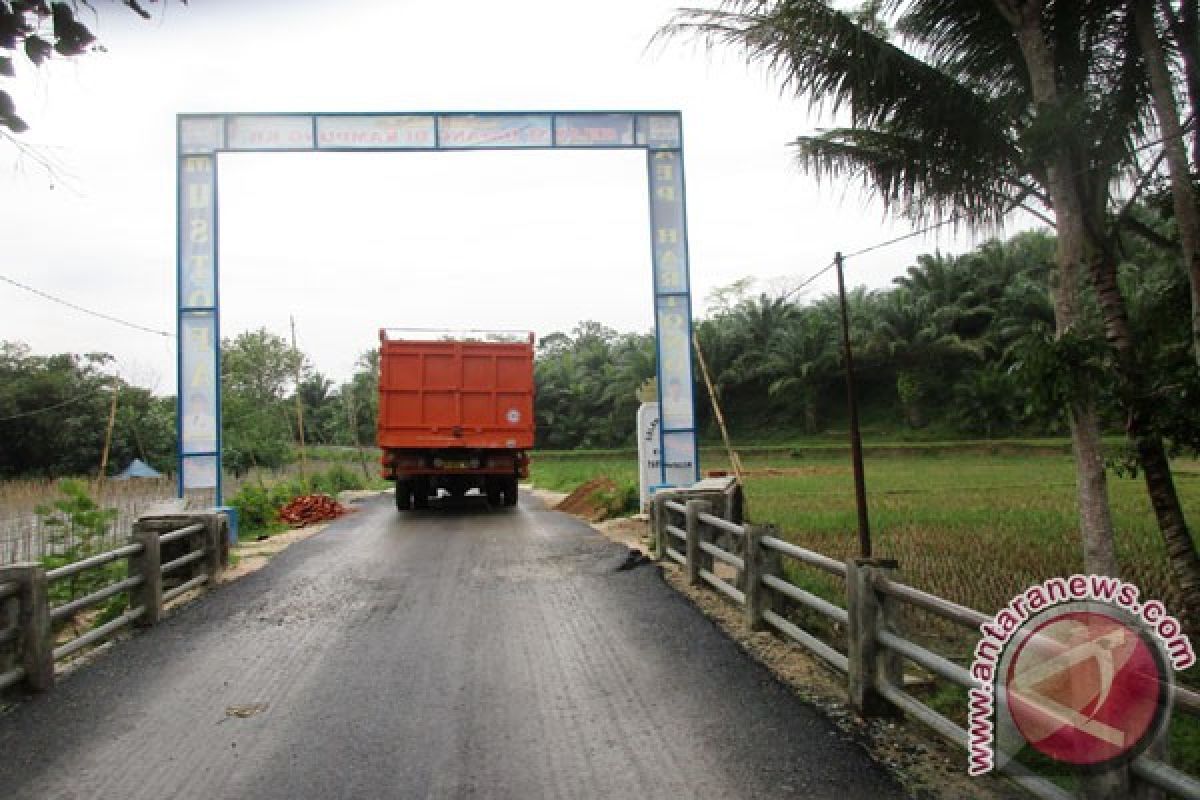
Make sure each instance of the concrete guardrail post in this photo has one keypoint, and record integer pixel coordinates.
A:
(760, 562)
(35, 637)
(658, 524)
(216, 545)
(197, 542)
(870, 611)
(697, 559)
(1116, 785)
(1112, 784)
(10, 607)
(147, 564)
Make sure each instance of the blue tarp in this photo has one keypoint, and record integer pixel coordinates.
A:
(137, 469)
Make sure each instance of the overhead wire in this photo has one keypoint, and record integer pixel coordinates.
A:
(44, 409)
(76, 307)
(797, 289)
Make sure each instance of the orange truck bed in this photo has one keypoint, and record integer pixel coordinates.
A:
(455, 415)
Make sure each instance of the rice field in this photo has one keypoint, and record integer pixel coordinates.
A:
(973, 527)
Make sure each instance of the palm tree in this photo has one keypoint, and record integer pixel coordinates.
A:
(971, 122)
(755, 322)
(801, 361)
(955, 289)
(925, 352)
(1183, 194)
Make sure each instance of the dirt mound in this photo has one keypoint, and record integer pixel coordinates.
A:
(590, 500)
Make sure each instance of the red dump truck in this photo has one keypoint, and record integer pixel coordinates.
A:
(455, 414)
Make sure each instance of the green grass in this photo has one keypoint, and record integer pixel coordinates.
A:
(976, 529)
(562, 474)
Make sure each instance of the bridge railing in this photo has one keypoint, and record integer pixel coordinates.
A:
(874, 647)
(187, 550)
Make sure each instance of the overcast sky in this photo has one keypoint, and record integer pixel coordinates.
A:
(348, 243)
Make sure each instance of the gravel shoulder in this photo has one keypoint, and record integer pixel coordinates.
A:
(924, 764)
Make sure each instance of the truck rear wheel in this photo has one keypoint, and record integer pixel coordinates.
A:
(510, 491)
(403, 496)
(493, 489)
(421, 494)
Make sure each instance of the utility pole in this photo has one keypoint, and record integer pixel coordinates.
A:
(112, 419)
(735, 461)
(299, 409)
(860, 483)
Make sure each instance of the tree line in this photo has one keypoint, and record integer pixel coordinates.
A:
(54, 410)
(960, 346)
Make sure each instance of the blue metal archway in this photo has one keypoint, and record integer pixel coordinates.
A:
(202, 137)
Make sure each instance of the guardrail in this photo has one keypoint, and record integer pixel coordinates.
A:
(196, 546)
(875, 648)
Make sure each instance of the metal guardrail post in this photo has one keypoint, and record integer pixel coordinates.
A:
(147, 564)
(35, 638)
(870, 611)
(697, 559)
(759, 562)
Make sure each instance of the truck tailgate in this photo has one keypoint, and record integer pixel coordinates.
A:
(455, 394)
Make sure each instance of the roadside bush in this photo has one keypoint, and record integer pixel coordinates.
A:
(79, 528)
(258, 507)
(619, 501)
(337, 479)
(283, 493)
(254, 507)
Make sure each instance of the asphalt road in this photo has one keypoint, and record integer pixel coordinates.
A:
(458, 652)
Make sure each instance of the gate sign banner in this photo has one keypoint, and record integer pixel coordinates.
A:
(495, 130)
(397, 132)
(590, 130)
(198, 401)
(202, 137)
(672, 309)
(197, 251)
(667, 219)
(253, 132)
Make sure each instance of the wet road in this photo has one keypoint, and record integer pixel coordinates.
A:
(457, 652)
